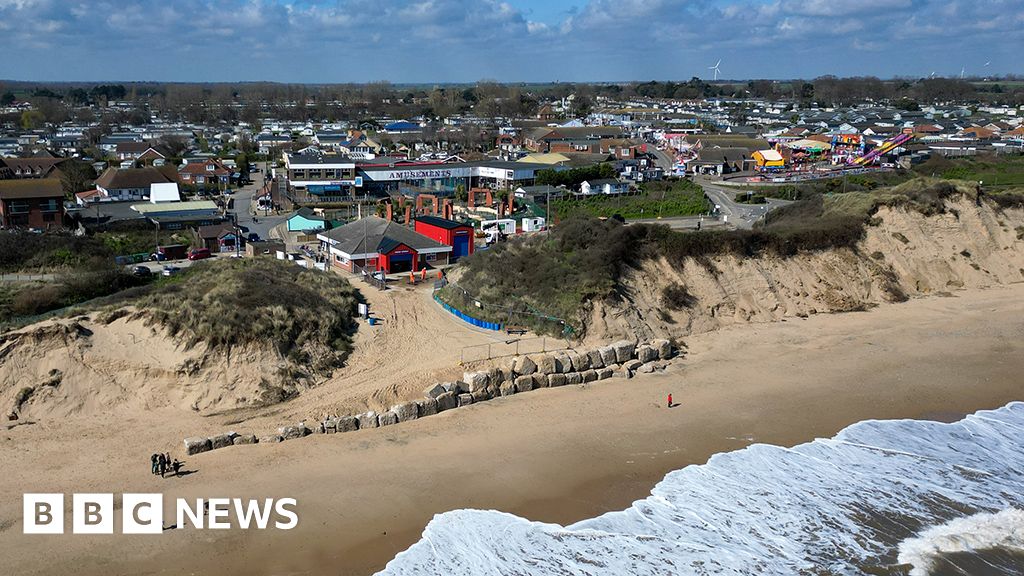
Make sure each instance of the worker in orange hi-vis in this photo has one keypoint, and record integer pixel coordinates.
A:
(412, 277)
(440, 275)
(423, 274)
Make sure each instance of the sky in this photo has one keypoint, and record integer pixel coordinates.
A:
(438, 41)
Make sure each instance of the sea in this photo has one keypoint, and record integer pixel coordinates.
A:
(881, 497)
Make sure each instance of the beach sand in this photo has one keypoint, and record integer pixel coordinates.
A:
(553, 455)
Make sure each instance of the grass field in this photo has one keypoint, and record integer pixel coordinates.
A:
(994, 171)
(655, 199)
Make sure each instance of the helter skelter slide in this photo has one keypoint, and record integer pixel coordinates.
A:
(885, 147)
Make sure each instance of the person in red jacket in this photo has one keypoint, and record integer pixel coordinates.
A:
(669, 400)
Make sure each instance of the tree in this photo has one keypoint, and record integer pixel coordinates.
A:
(175, 146)
(7, 99)
(76, 176)
(32, 119)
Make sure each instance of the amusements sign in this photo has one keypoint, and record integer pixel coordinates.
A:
(421, 174)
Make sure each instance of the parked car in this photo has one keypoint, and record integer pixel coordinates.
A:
(199, 254)
(141, 272)
(170, 270)
(252, 237)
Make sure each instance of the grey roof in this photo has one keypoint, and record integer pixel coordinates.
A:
(377, 235)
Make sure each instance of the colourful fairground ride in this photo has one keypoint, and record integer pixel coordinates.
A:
(885, 147)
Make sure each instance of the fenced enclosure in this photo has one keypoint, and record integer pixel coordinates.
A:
(513, 347)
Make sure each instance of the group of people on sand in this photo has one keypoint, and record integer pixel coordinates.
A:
(162, 464)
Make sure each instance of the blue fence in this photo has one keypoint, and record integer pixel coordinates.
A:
(474, 321)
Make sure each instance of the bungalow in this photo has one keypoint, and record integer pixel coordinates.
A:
(129, 183)
(305, 220)
(31, 203)
(720, 161)
(603, 186)
(374, 244)
(218, 237)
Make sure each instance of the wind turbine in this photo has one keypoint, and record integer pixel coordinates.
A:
(962, 72)
(715, 68)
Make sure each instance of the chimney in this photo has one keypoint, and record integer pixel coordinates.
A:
(408, 214)
(389, 211)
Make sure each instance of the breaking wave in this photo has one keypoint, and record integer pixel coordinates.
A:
(836, 506)
(1003, 530)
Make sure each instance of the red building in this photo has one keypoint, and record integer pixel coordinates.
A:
(374, 244)
(448, 232)
(32, 203)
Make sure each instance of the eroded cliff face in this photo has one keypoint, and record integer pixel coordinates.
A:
(904, 255)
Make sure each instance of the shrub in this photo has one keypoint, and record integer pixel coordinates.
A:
(677, 297)
(30, 302)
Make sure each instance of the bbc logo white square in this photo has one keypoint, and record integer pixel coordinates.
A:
(43, 513)
(142, 513)
(92, 514)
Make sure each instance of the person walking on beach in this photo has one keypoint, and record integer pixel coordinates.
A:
(153, 464)
(162, 464)
(176, 466)
(669, 400)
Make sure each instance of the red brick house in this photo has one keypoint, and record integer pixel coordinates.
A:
(208, 174)
(31, 203)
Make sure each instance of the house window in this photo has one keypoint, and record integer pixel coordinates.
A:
(210, 167)
(50, 205)
(18, 206)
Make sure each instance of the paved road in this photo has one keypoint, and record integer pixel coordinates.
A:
(739, 215)
(680, 222)
(244, 208)
(662, 159)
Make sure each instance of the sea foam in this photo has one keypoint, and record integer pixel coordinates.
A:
(1001, 530)
(832, 506)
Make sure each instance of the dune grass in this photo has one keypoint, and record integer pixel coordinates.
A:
(307, 316)
(543, 281)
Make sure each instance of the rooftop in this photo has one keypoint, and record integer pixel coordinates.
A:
(373, 235)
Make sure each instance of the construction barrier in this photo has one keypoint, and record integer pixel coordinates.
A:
(469, 319)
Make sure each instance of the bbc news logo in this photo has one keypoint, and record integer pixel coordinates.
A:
(144, 513)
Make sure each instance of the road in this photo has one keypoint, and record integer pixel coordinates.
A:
(662, 159)
(739, 215)
(243, 207)
(680, 222)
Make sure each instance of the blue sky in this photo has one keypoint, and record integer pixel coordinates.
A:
(512, 40)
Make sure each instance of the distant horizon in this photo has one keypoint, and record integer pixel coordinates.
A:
(1008, 77)
(424, 42)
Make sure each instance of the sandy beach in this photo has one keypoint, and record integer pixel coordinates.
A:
(554, 455)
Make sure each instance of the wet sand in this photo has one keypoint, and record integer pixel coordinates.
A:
(554, 455)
